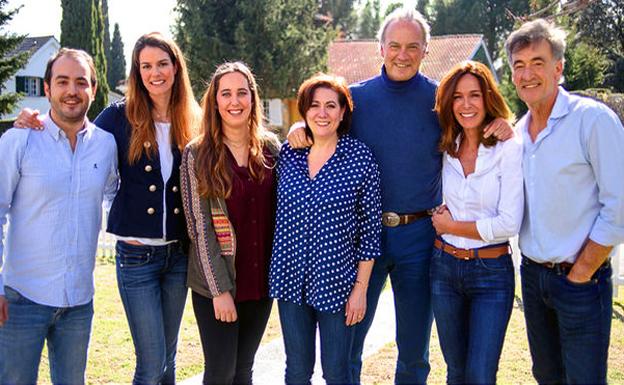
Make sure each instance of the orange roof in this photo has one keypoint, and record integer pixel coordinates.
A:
(357, 60)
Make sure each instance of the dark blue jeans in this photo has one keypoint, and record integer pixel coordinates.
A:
(406, 258)
(152, 285)
(568, 324)
(299, 333)
(472, 302)
(66, 330)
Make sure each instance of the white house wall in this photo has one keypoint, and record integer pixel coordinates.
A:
(35, 67)
(275, 112)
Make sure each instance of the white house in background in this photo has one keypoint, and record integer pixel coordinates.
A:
(29, 80)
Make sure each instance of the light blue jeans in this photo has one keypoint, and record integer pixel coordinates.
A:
(152, 285)
(30, 324)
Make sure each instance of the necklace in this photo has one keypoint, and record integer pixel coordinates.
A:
(161, 117)
(235, 144)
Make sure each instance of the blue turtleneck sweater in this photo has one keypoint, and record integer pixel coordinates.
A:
(396, 120)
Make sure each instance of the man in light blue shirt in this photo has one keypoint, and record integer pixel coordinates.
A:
(52, 186)
(574, 212)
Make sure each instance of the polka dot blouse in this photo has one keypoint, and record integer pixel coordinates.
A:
(325, 225)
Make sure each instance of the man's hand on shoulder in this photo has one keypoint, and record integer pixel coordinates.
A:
(4, 310)
(297, 137)
(500, 128)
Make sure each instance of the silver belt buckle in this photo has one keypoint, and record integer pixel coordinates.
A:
(390, 219)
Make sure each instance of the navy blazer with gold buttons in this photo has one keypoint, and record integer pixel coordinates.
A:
(137, 210)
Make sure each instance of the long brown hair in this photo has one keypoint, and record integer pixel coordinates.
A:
(183, 108)
(213, 170)
(493, 102)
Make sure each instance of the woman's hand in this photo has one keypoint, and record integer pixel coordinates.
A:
(224, 308)
(442, 220)
(500, 128)
(356, 305)
(28, 118)
(297, 137)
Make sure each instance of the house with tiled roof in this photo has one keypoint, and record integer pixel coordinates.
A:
(29, 79)
(358, 60)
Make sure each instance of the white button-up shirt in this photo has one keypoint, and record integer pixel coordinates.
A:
(492, 195)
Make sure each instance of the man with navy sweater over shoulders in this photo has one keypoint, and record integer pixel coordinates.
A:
(394, 117)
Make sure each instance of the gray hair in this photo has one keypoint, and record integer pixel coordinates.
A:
(405, 14)
(534, 32)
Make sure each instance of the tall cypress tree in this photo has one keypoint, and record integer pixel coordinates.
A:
(117, 67)
(107, 43)
(279, 39)
(82, 27)
(9, 64)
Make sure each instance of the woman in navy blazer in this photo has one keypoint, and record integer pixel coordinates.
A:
(151, 127)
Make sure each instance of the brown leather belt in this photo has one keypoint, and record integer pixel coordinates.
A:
(483, 252)
(562, 267)
(392, 219)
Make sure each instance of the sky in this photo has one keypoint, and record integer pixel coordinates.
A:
(135, 18)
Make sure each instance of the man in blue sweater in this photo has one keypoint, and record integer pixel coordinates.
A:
(394, 116)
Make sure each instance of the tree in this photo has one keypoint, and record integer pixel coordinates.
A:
(585, 66)
(280, 40)
(370, 19)
(601, 25)
(487, 17)
(422, 6)
(82, 27)
(106, 39)
(9, 63)
(117, 67)
(344, 18)
(391, 7)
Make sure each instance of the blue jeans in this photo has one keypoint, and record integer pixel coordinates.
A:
(472, 302)
(299, 333)
(568, 324)
(406, 258)
(152, 285)
(66, 329)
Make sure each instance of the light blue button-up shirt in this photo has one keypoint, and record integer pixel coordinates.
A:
(573, 180)
(52, 197)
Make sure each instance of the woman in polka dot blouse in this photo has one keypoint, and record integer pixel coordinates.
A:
(327, 235)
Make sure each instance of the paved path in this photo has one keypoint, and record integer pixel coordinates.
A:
(270, 359)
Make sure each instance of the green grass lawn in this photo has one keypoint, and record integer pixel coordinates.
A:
(111, 354)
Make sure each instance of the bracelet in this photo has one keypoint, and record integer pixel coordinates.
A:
(357, 281)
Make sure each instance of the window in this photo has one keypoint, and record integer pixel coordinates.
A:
(29, 85)
(273, 111)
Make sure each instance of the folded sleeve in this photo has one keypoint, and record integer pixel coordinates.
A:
(506, 223)
(12, 147)
(604, 148)
(369, 214)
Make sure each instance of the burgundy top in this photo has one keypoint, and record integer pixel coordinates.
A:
(251, 210)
